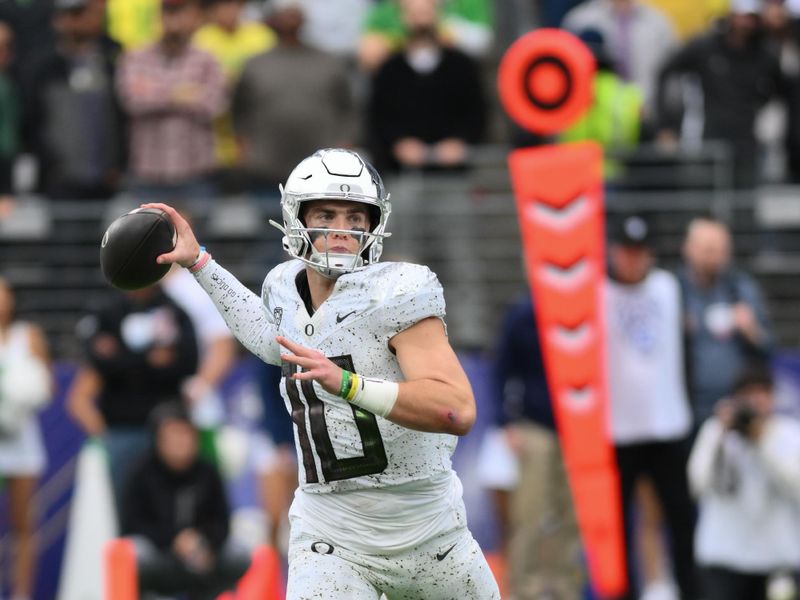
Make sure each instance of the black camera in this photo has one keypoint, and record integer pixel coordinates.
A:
(743, 417)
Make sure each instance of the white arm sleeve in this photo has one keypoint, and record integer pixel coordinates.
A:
(242, 310)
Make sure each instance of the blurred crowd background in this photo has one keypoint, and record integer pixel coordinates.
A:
(208, 104)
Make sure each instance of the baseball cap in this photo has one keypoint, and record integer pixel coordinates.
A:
(632, 230)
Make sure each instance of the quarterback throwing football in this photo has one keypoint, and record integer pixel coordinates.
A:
(374, 389)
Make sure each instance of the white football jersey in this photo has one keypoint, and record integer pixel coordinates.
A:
(399, 486)
(341, 446)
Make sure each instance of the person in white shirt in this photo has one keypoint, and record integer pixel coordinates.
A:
(745, 471)
(641, 38)
(375, 391)
(26, 386)
(650, 415)
(216, 349)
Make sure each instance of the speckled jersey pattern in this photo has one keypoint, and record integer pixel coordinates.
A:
(382, 496)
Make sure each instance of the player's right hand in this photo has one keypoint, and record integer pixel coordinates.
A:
(187, 248)
(316, 366)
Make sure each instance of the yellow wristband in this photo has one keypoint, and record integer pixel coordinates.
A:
(354, 384)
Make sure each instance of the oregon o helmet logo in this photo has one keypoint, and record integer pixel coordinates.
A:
(545, 80)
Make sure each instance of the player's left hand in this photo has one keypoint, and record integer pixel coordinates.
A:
(317, 367)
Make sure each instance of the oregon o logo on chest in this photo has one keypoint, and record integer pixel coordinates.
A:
(310, 329)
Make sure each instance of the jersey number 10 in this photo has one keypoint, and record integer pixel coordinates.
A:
(333, 469)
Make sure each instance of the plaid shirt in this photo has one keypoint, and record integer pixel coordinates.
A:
(172, 102)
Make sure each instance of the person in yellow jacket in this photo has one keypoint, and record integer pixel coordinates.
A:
(133, 23)
(231, 41)
(614, 119)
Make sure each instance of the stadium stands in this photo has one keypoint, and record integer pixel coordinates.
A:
(463, 226)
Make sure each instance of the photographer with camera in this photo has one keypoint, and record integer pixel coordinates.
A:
(745, 471)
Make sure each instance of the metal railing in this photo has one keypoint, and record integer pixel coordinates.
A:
(463, 226)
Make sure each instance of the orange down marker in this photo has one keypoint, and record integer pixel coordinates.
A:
(545, 82)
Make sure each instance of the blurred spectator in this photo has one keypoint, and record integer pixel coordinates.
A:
(216, 352)
(140, 347)
(25, 386)
(554, 11)
(737, 73)
(231, 36)
(10, 118)
(744, 470)
(690, 17)
(783, 33)
(231, 41)
(540, 534)
(427, 101)
(175, 510)
(133, 23)
(73, 122)
(172, 92)
(277, 468)
(650, 416)
(334, 27)
(773, 120)
(649, 544)
(614, 118)
(639, 39)
(725, 317)
(289, 102)
(464, 24)
(512, 20)
(31, 23)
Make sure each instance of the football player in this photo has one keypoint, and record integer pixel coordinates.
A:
(375, 391)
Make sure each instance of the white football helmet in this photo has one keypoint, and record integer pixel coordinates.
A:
(334, 174)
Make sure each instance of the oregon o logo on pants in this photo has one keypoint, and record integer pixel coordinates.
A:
(322, 548)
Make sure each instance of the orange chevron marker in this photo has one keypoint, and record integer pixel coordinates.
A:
(545, 84)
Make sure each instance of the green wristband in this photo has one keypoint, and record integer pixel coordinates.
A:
(346, 384)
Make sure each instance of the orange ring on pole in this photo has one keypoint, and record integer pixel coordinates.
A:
(545, 80)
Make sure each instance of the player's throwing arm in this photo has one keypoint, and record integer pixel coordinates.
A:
(436, 395)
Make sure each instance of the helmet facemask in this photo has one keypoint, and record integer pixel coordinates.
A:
(298, 238)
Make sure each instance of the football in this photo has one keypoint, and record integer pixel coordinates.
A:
(131, 245)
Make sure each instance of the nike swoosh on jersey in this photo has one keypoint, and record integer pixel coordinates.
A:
(340, 319)
(444, 554)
